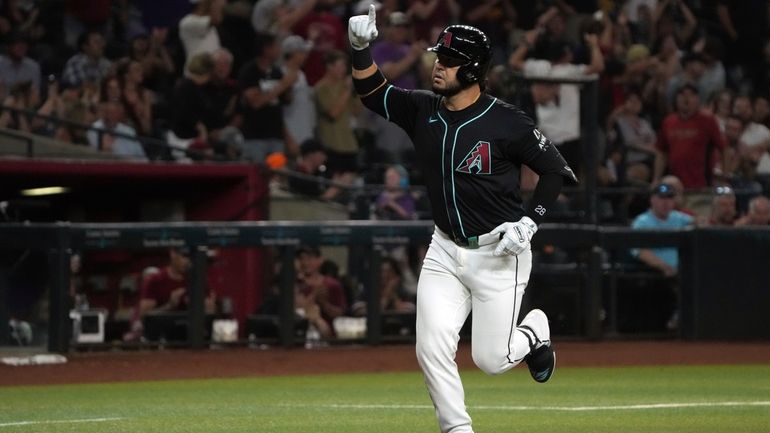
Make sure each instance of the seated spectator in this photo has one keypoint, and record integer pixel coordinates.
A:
(65, 101)
(137, 99)
(319, 298)
(675, 183)
(635, 141)
(111, 120)
(166, 290)
(311, 162)
(758, 214)
(723, 211)
(393, 295)
(661, 215)
(89, 66)
(395, 202)
(21, 97)
(693, 68)
(16, 67)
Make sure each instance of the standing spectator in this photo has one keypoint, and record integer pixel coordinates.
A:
(721, 106)
(758, 214)
(714, 76)
(754, 141)
(399, 58)
(82, 15)
(151, 52)
(198, 29)
(277, 17)
(495, 18)
(16, 67)
(264, 91)
(225, 138)
(688, 139)
(193, 107)
(559, 117)
(326, 31)
(111, 121)
(693, 68)
(397, 54)
(762, 109)
(431, 13)
(300, 112)
(89, 66)
(335, 103)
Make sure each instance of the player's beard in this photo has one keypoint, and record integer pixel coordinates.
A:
(450, 90)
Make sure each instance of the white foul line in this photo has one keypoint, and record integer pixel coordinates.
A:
(557, 408)
(59, 421)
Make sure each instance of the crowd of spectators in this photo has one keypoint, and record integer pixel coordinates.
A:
(683, 83)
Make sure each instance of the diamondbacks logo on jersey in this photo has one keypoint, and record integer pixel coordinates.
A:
(447, 41)
(478, 160)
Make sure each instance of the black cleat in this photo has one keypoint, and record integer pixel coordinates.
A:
(541, 363)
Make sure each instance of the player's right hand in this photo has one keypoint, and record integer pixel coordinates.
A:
(362, 29)
(516, 236)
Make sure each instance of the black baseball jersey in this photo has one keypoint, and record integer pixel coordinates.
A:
(471, 159)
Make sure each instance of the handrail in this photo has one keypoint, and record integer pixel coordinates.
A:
(25, 138)
(151, 141)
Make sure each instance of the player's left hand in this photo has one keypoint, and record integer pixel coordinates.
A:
(516, 236)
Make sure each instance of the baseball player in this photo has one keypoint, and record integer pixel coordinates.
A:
(470, 146)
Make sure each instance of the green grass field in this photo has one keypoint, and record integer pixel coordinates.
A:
(639, 399)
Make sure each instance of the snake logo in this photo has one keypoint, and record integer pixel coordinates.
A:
(478, 160)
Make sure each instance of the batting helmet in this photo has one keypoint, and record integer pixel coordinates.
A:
(469, 45)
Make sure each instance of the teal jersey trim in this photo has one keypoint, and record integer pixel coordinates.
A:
(454, 142)
(385, 102)
(443, 165)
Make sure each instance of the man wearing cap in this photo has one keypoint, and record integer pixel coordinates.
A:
(166, 290)
(689, 140)
(470, 147)
(661, 216)
(299, 113)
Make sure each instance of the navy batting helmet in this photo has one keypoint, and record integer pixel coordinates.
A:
(470, 46)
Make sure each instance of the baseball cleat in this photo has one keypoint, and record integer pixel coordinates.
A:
(541, 360)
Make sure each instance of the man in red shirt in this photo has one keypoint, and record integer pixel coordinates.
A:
(688, 139)
(321, 298)
(166, 290)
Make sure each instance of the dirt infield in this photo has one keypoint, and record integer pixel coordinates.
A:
(95, 367)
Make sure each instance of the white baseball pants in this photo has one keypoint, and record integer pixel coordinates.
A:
(455, 280)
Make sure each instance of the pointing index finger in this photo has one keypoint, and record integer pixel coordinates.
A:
(372, 13)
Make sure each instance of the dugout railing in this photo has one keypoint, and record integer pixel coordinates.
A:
(591, 242)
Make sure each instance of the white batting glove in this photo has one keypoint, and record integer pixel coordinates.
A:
(516, 236)
(362, 29)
